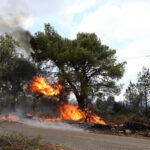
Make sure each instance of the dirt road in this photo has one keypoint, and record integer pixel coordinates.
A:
(78, 140)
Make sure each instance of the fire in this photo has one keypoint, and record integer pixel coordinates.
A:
(74, 113)
(93, 118)
(71, 113)
(67, 113)
(40, 85)
(46, 119)
(28, 115)
(9, 117)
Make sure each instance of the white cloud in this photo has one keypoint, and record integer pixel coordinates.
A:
(137, 55)
(28, 22)
(73, 7)
(60, 11)
(135, 49)
(122, 22)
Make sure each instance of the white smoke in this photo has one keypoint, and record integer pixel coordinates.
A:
(52, 125)
(20, 117)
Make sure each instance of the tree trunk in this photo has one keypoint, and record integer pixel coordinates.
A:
(145, 98)
(13, 107)
(81, 101)
(34, 105)
(146, 102)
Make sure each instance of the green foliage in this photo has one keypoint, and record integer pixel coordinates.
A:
(120, 108)
(138, 94)
(133, 109)
(11, 66)
(22, 72)
(84, 65)
(14, 71)
(144, 86)
(132, 95)
(7, 53)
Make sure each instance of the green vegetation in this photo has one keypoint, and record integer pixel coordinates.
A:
(135, 107)
(138, 94)
(84, 65)
(15, 71)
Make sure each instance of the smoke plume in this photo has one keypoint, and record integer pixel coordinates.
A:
(15, 18)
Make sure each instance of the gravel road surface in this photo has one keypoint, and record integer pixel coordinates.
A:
(78, 140)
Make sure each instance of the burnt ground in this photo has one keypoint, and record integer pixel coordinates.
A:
(77, 140)
(132, 129)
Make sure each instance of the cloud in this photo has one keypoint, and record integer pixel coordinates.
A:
(60, 11)
(117, 21)
(125, 26)
(137, 55)
(134, 49)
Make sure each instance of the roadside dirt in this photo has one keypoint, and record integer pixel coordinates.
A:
(128, 130)
(77, 140)
(47, 146)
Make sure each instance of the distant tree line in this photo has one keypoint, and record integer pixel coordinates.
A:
(136, 103)
(137, 94)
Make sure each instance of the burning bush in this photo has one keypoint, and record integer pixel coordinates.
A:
(40, 85)
(67, 112)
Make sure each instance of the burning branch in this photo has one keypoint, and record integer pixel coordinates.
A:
(40, 85)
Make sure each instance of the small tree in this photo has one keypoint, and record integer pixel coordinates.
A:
(14, 71)
(144, 86)
(132, 95)
(139, 93)
(7, 53)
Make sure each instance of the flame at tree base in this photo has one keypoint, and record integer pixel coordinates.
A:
(67, 113)
(74, 113)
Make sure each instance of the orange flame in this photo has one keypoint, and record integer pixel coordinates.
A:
(40, 85)
(9, 117)
(67, 113)
(71, 113)
(93, 118)
(28, 115)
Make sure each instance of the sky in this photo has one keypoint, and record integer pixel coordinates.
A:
(123, 25)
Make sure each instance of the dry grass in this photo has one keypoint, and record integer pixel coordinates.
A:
(20, 142)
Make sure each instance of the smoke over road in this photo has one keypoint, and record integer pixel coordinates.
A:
(15, 18)
(19, 117)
